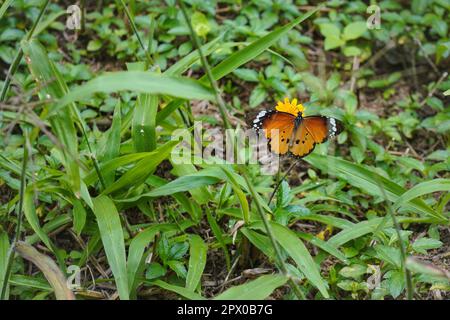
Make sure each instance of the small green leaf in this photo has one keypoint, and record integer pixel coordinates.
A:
(94, 45)
(246, 74)
(354, 30)
(354, 271)
(423, 244)
(330, 30)
(257, 96)
(200, 24)
(333, 42)
(155, 270)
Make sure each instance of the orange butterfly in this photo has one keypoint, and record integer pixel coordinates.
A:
(289, 132)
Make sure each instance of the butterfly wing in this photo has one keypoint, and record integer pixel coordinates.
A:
(311, 131)
(278, 128)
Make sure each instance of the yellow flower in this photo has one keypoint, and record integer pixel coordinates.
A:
(290, 107)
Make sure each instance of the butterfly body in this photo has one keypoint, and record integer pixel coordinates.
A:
(289, 132)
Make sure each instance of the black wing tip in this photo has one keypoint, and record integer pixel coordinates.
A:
(260, 117)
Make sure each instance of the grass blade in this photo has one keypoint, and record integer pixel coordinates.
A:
(4, 249)
(325, 246)
(297, 250)
(138, 81)
(197, 261)
(138, 174)
(258, 289)
(422, 189)
(144, 123)
(53, 85)
(357, 230)
(366, 179)
(111, 232)
(188, 294)
(112, 148)
(256, 48)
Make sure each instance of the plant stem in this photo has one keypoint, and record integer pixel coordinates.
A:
(281, 180)
(281, 263)
(227, 125)
(408, 280)
(219, 100)
(133, 26)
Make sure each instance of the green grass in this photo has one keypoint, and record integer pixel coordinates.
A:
(87, 179)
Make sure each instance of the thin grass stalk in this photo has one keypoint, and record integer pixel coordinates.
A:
(15, 64)
(93, 157)
(83, 15)
(281, 263)
(133, 26)
(19, 217)
(219, 100)
(408, 279)
(227, 125)
(281, 180)
(151, 34)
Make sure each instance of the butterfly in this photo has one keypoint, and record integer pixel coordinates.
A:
(288, 132)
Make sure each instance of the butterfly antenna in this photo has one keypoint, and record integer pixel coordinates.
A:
(281, 180)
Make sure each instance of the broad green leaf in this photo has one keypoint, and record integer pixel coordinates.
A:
(257, 96)
(391, 255)
(200, 24)
(354, 271)
(423, 244)
(197, 261)
(200, 194)
(329, 30)
(258, 289)
(333, 42)
(111, 232)
(354, 30)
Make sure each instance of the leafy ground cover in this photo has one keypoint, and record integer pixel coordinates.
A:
(91, 196)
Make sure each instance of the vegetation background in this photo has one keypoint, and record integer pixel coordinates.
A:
(89, 193)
